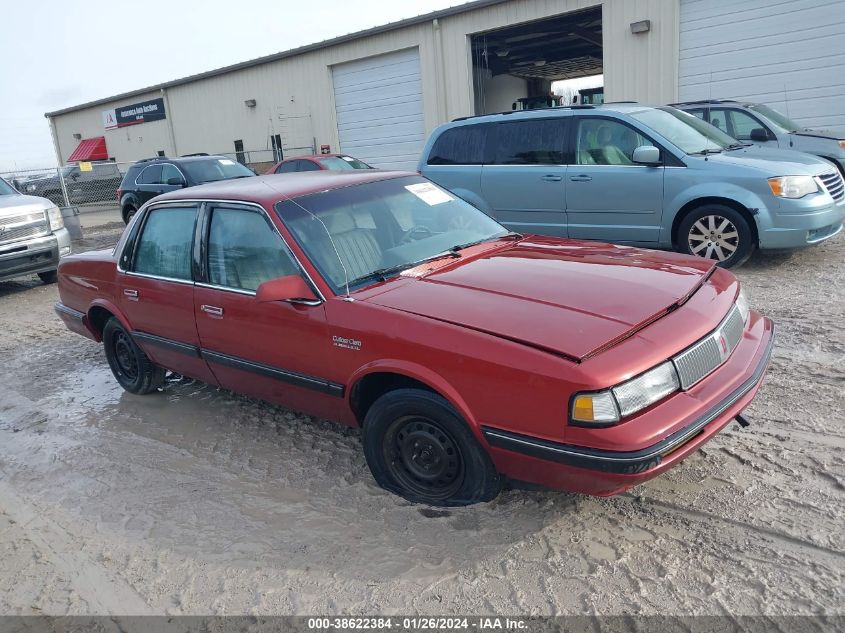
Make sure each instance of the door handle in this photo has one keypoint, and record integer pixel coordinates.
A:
(130, 294)
(551, 178)
(212, 310)
(581, 178)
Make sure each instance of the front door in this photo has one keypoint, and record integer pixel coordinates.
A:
(276, 351)
(156, 292)
(740, 124)
(525, 183)
(608, 196)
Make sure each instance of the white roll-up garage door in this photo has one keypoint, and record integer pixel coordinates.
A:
(788, 55)
(380, 109)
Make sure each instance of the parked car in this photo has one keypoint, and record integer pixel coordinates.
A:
(638, 175)
(32, 235)
(464, 351)
(97, 184)
(153, 176)
(316, 163)
(762, 125)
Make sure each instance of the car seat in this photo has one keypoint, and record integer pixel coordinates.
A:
(358, 248)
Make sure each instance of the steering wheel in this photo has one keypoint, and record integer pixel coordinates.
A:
(415, 230)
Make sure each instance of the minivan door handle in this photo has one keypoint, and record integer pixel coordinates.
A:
(581, 178)
(551, 178)
(130, 294)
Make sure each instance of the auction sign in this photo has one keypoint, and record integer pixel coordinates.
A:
(144, 112)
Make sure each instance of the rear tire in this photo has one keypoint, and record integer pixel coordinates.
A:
(419, 447)
(133, 370)
(716, 232)
(128, 211)
(49, 277)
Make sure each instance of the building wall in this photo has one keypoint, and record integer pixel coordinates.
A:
(788, 56)
(294, 96)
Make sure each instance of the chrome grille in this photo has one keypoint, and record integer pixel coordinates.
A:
(703, 357)
(22, 226)
(834, 185)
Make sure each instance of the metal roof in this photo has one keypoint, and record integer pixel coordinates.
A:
(384, 28)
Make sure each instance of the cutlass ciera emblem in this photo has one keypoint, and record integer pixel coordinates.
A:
(722, 342)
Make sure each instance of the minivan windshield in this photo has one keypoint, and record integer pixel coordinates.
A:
(6, 189)
(785, 123)
(366, 233)
(685, 131)
(211, 169)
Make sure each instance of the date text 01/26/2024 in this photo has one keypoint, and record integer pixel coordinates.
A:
(417, 623)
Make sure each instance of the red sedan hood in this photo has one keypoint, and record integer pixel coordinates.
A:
(567, 297)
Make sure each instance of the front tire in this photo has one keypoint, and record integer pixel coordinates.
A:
(716, 232)
(133, 370)
(49, 277)
(420, 448)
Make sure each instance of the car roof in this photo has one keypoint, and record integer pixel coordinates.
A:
(268, 190)
(619, 107)
(179, 159)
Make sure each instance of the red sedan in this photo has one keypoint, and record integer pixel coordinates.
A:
(465, 352)
(317, 163)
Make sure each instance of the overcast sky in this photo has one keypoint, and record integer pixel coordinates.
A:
(55, 54)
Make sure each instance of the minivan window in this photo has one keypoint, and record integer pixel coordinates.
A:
(741, 124)
(244, 251)
(463, 145)
(683, 130)
(164, 248)
(605, 142)
(537, 142)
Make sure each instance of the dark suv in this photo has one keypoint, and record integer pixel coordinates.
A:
(153, 176)
(97, 183)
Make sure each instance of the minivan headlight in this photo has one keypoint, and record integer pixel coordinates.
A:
(793, 186)
(54, 215)
(610, 406)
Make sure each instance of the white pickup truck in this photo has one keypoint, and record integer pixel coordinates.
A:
(32, 235)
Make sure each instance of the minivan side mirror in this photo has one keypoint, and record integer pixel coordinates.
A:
(646, 155)
(759, 135)
(175, 181)
(290, 288)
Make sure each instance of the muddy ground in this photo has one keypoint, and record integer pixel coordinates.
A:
(199, 501)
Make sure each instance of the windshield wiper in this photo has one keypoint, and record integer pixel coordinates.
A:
(460, 247)
(737, 145)
(705, 152)
(383, 273)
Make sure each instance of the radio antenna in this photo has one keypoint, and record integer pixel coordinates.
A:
(347, 297)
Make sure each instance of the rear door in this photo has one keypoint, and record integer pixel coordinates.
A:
(524, 184)
(276, 351)
(156, 289)
(608, 197)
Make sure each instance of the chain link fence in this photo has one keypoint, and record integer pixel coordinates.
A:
(94, 185)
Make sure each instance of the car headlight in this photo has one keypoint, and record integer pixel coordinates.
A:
(742, 305)
(610, 406)
(793, 186)
(54, 215)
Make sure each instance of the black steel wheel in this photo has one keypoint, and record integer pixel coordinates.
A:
(419, 447)
(130, 366)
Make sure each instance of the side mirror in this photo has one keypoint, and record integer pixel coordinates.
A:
(646, 155)
(759, 135)
(176, 181)
(291, 288)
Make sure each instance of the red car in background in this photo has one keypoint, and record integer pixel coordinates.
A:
(465, 352)
(317, 162)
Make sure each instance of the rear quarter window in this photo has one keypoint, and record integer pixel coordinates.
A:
(463, 145)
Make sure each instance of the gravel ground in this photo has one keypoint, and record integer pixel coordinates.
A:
(199, 501)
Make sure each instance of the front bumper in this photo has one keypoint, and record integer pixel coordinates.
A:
(603, 472)
(797, 223)
(32, 256)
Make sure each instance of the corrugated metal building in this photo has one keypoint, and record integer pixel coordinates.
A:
(378, 93)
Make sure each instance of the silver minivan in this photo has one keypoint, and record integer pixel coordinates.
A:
(639, 175)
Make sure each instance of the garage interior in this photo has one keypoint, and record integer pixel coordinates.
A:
(521, 61)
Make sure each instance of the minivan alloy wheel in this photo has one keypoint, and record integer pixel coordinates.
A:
(713, 237)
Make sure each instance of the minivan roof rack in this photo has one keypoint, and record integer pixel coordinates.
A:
(506, 112)
(194, 154)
